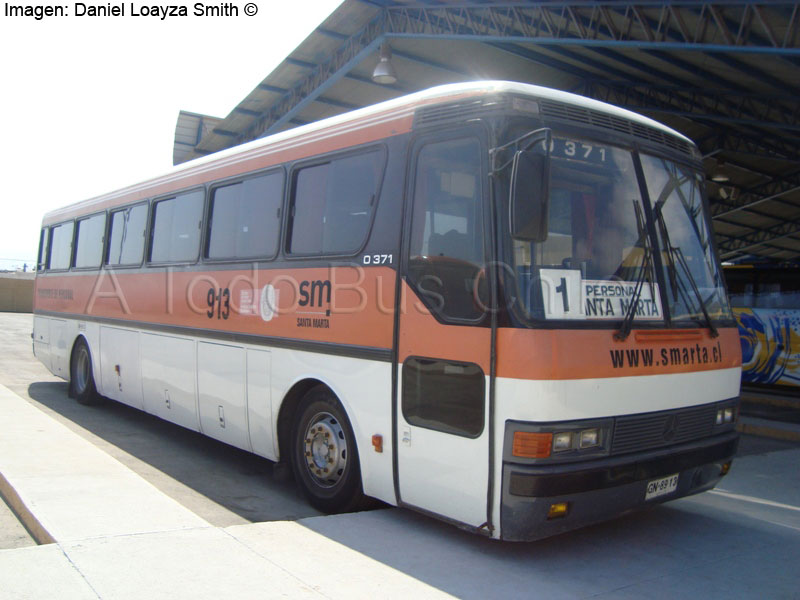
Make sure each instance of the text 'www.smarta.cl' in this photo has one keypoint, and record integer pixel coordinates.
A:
(682, 356)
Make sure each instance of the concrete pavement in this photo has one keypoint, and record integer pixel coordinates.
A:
(117, 536)
(108, 533)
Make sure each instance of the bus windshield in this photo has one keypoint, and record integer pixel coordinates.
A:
(685, 239)
(598, 262)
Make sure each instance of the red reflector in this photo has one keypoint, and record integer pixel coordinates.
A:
(528, 444)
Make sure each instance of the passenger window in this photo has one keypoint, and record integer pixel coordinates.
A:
(176, 228)
(61, 246)
(89, 242)
(446, 256)
(244, 220)
(332, 204)
(444, 395)
(126, 240)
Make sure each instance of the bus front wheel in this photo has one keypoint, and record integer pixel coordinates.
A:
(82, 386)
(324, 455)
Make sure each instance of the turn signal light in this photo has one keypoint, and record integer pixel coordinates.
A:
(528, 444)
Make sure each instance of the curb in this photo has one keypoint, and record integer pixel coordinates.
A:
(771, 429)
(37, 531)
(775, 400)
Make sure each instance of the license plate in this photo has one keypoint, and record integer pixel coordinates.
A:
(661, 487)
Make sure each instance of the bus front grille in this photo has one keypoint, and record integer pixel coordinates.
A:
(655, 430)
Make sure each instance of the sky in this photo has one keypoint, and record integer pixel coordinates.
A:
(89, 104)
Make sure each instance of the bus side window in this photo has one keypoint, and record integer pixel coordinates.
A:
(89, 242)
(176, 228)
(446, 252)
(244, 219)
(61, 246)
(332, 204)
(44, 248)
(126, 239)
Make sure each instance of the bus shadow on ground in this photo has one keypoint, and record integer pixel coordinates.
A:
(240, 482)
(682, 549)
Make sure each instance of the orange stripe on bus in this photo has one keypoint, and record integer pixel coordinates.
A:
(584, 354)
(355, 305)
(346, 305)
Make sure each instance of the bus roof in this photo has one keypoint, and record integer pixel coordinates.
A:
(396, 111)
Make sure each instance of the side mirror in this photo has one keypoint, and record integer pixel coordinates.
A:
(529, 200)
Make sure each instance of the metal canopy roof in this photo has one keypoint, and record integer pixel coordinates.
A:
(726, 74)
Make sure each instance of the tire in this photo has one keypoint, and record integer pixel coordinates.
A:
(324, 456)
(81, 385)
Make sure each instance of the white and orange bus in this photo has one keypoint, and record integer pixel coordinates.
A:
(495, 303)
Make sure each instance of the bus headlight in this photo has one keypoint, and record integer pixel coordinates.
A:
(576, 440)
(726, 415)
(559, 442)
(562, 441)
(589, 438)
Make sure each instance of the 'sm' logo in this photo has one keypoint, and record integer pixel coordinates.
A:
(315, 293)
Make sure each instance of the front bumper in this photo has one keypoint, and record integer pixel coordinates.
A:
(601, 489)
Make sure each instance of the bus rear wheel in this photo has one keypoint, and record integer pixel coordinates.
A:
(82, 386)
(324, 456)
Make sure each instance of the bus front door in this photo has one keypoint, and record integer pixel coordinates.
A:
(444, 337)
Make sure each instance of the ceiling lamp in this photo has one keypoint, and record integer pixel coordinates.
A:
(720, 174)
(384, 71)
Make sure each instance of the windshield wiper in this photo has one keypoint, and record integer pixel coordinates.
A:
(675, 252)
(684, 265)
(625, 329)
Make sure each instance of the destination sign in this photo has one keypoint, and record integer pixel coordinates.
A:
(567, 296)
(613, 299)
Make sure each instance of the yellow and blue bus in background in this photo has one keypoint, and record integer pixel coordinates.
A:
(766, 303)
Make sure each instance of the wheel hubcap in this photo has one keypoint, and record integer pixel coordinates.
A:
(325, 450)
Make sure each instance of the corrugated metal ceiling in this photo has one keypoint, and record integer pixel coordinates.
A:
(726, 74)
